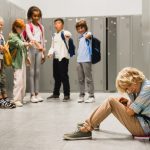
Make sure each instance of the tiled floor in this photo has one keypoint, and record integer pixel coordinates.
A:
(41, 127)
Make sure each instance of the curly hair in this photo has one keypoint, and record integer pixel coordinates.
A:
(19, 23)
(31, 10)
(128, 76)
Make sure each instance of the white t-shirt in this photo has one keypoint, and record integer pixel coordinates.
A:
(58, 47)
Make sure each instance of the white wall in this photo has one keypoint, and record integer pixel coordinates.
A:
(77, 8)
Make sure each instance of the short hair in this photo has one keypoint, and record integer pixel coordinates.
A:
(31, 10)
(82, 24)
(59, 19)
(19, 23)
(1, 19)
(128, 76)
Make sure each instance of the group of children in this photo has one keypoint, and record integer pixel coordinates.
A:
(27, 47)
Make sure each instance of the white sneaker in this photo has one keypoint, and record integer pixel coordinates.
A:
(18, 104)
(39, 98)
(34, 99)
(90, 100)
(81, 99)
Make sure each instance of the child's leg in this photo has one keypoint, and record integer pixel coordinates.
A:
(3, 86)
(112, 105)
(18, 86)
(57, 77)
(24, 78)
(63, 67)
(87, 67)
(38, 59)
(81, 79)
(32, 70)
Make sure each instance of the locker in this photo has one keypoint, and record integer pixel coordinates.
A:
(111, 53)
(137, 52)
(99, 69)
(70, 26)
(124, 42)
(46, 78)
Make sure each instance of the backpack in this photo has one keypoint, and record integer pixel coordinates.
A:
(24, 34)
(96, 50)
(71, 47)
(9, 54)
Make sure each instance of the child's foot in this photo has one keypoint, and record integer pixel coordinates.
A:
(66, 98)
(18, 104)
(78, 135)
(79, 125)
(6, 105)
(90, 99)
(53, 96)
(81, 99)
(39, 98)
(34, 99)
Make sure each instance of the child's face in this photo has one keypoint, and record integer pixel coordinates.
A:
(1, 25)
(58, 26)
(133, 88)
(36, 16)
(19, 30)
(81, 30)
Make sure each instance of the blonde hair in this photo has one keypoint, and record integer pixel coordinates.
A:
(128, 76)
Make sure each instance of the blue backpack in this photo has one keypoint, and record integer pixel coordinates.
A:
(96, 50)
(71, 47)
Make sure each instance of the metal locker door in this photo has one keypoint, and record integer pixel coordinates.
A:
(46, 78)
(70, 26)
(124, 42)
(137, 52)
(7, 29)
(99, 69)
(111, 53)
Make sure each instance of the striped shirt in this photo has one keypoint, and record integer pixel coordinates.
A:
(141, 105)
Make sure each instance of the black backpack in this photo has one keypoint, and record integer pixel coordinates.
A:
(96, 50)
(71, 47)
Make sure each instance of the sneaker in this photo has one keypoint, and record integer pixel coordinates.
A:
(6, 105)
(78, 135)
(90, 100)
(39, 98)
(81, 99)
(79, 125)
(66, 98)
(18, 104)
(34, 99)
(53, 96)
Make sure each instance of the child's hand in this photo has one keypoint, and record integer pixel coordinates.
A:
(88, 36)
(50, 55)
(124, 101)
(28, 61)
(1, 48)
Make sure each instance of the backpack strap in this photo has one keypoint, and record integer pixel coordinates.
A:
(40, 26)
(63, 38)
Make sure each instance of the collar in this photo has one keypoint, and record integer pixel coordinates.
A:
(60, 31)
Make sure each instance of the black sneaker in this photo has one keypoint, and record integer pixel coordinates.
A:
(79, 125)
(53, 96)
(78, 135)
(6, 104)
(66, 98)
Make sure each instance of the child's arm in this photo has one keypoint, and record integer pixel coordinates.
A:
(51, 50)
